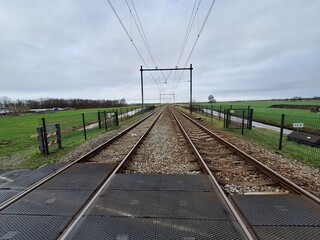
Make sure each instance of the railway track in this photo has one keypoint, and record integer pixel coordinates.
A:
(232, 166)
(80, 191)
(247, 181)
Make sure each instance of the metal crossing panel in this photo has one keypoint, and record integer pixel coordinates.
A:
(127, 203)
(189, 229)
(287, 232)
(5, 194)
(186, 182)
(32, 177)
(91, 168)
(119, 228)
(156, 182)
(71, 181)
(192, 205)
(280, 210)
(136, 182)
(49, 203)
(31, 227)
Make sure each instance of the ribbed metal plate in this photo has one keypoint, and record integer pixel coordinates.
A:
(279, 210)
(192, 205)
(30, 178)
(186, 183)
(118, 228)
(126, 203)
(75, 181)
(125, 228)
(31, 227)
(11, 174)
(144, 182)
(5, 194)
(197, 229)
(91, 168)
(287, 232)
(154, 182)
(49, 202)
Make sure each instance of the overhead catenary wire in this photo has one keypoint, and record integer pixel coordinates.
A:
(134, 45)
(198, 36)
(143, 35)
(189, 28)
(186, 37)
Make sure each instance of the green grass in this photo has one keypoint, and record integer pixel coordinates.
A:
(263, 113)
(18, 135)
(270, 140)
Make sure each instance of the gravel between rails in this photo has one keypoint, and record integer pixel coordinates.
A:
(164, 151)
(116, 152)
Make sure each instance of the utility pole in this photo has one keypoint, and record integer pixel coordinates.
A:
(191, 89)
(141, 70)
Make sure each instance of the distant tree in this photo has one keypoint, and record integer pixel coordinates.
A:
(5, 102)
(211, 99)
(123, 102)
(296, 98)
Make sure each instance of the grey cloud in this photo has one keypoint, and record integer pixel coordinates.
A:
(77, 48)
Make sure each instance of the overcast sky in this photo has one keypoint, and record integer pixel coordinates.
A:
(248, 49)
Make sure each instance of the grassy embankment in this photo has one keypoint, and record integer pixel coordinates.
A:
(18, 135)
(270, 139)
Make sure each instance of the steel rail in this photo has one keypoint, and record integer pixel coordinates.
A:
(120, 166)
(286, 183)
(249, 233)
(84, 158)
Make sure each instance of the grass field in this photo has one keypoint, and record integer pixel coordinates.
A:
(18, 135)
(264, 113)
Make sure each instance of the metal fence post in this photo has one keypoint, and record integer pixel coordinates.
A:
(220, 112)
(224, 118)
(41, 140)
(46, 147)
(281, 131)
(84, 127)
(243, 113)
(59, 136)
(99, 120)
(105, 120)
(117, 119)
(211, 112)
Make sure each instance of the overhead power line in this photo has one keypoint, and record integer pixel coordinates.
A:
(196, 41)
(186, 37)
(145, 39)
(134, 45)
